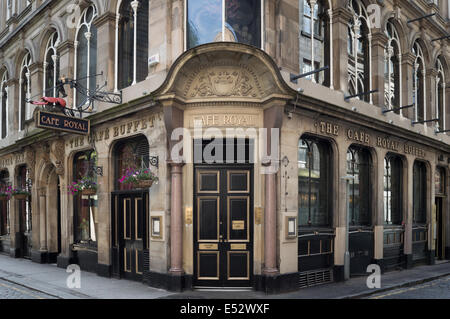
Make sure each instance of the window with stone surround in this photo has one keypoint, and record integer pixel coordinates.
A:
(85, 206)
(314, 182)
(131, 42)
(86, 53)
(392, 78)
(51, 65)
(419, 193)
(440, 96)
(224, 20)
(4, 205)
(419, 95)
(25, 90)
(359, 194)
(359, 47)
(24, 205)
(393, 186)
(4, 103)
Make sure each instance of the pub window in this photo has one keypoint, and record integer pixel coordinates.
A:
(224, 20)
(359, 43)
(86, 53)
(85, 206)
(314, 183)
(4, 102)
(393, 174)
(440, 96)
(25, 90)
(419, 193)
(131, 43)
(24, 183)
(439, 181)
(4, 204)
(51, 66)
(130, 154)
(392, 58)
(359, 166)
(315, 46)
(419, 83)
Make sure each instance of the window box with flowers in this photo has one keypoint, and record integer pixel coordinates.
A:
(5, 193)
(20, 193)
(85, 186)
(140, 178)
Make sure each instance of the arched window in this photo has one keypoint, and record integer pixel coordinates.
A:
(315, 47)
(392, 78)
(359, 50)
(4, 102)
(131, 43)
(25, 90)
(419, 193)
(419, 83)
(4, 204)
(440, 96)
(314, 183)
(393, 174)
(86, 53)
(51, 65)
(223, 20)
(359, 166)
(130, 154)
(85, 206)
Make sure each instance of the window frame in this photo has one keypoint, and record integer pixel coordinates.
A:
(387, 191)
(51, 47)
(421, 198)
(440, 99)
(24, 106)
(419, 62)
(396, 60)
(4, 104)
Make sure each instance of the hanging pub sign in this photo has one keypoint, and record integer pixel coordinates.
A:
(62, 122)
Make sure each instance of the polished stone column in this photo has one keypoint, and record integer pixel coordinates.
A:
(43, 222)
(176, 220)
(270, 226)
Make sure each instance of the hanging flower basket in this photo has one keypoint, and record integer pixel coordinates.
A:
(3, 197)
(89, 191)
(145, 183)
(21, 196)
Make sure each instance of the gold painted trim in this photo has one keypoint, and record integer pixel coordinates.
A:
(199, 181)
(136, 206)
(137, 263)
(116, 213)
(229, 219)
(208, 246)
(198, 265)
(217, 198)
(238, 246)
(248, 181)
(125, 225)
(228, 265)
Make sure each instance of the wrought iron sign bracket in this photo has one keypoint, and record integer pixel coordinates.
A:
(97, 170)
(154, 161)
(348, 97)
(397, 108)
(424, 121)
(294, 77)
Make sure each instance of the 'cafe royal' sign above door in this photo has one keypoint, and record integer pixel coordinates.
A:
(362, 137)
(61, 122)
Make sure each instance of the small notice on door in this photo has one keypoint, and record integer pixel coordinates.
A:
(238, 224)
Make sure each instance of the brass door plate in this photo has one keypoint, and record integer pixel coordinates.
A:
(208, 246)
(238, 246)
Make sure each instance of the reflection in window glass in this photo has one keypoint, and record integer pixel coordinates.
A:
(204, 22)
(243, 20)
(393, 190)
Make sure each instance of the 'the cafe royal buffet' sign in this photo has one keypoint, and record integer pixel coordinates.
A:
(61, 122)
(362, 137)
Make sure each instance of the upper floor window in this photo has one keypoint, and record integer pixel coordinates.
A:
(223, 20)
(25, 90)
(131, 43)
(440, 96)
(358, 47)
(314, 47)
(393, 174)
(51, 65)
(419, 83)
(392, 58)
(4, 102)
(419, 193)
(314, 183)
(359, 166)
(86, 53)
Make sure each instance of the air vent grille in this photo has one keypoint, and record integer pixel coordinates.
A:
(314, 278)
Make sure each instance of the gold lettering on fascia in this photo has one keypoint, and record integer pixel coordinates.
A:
(388, 144)
(412, 150)
(358, 136)
(327, 128)
(115, 131)
(226, 120)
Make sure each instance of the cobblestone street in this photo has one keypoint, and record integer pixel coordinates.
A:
(10, 290)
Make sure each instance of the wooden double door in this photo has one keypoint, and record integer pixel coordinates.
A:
(223, 226)
(130, 234)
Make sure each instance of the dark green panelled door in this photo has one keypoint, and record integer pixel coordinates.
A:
(223, 226)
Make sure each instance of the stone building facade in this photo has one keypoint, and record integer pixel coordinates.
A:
(358, 167)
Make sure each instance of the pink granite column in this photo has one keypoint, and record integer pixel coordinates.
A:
(176, 220)
(270, 226)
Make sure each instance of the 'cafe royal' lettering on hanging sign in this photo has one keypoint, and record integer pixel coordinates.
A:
(364, 138)
(115, 131)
